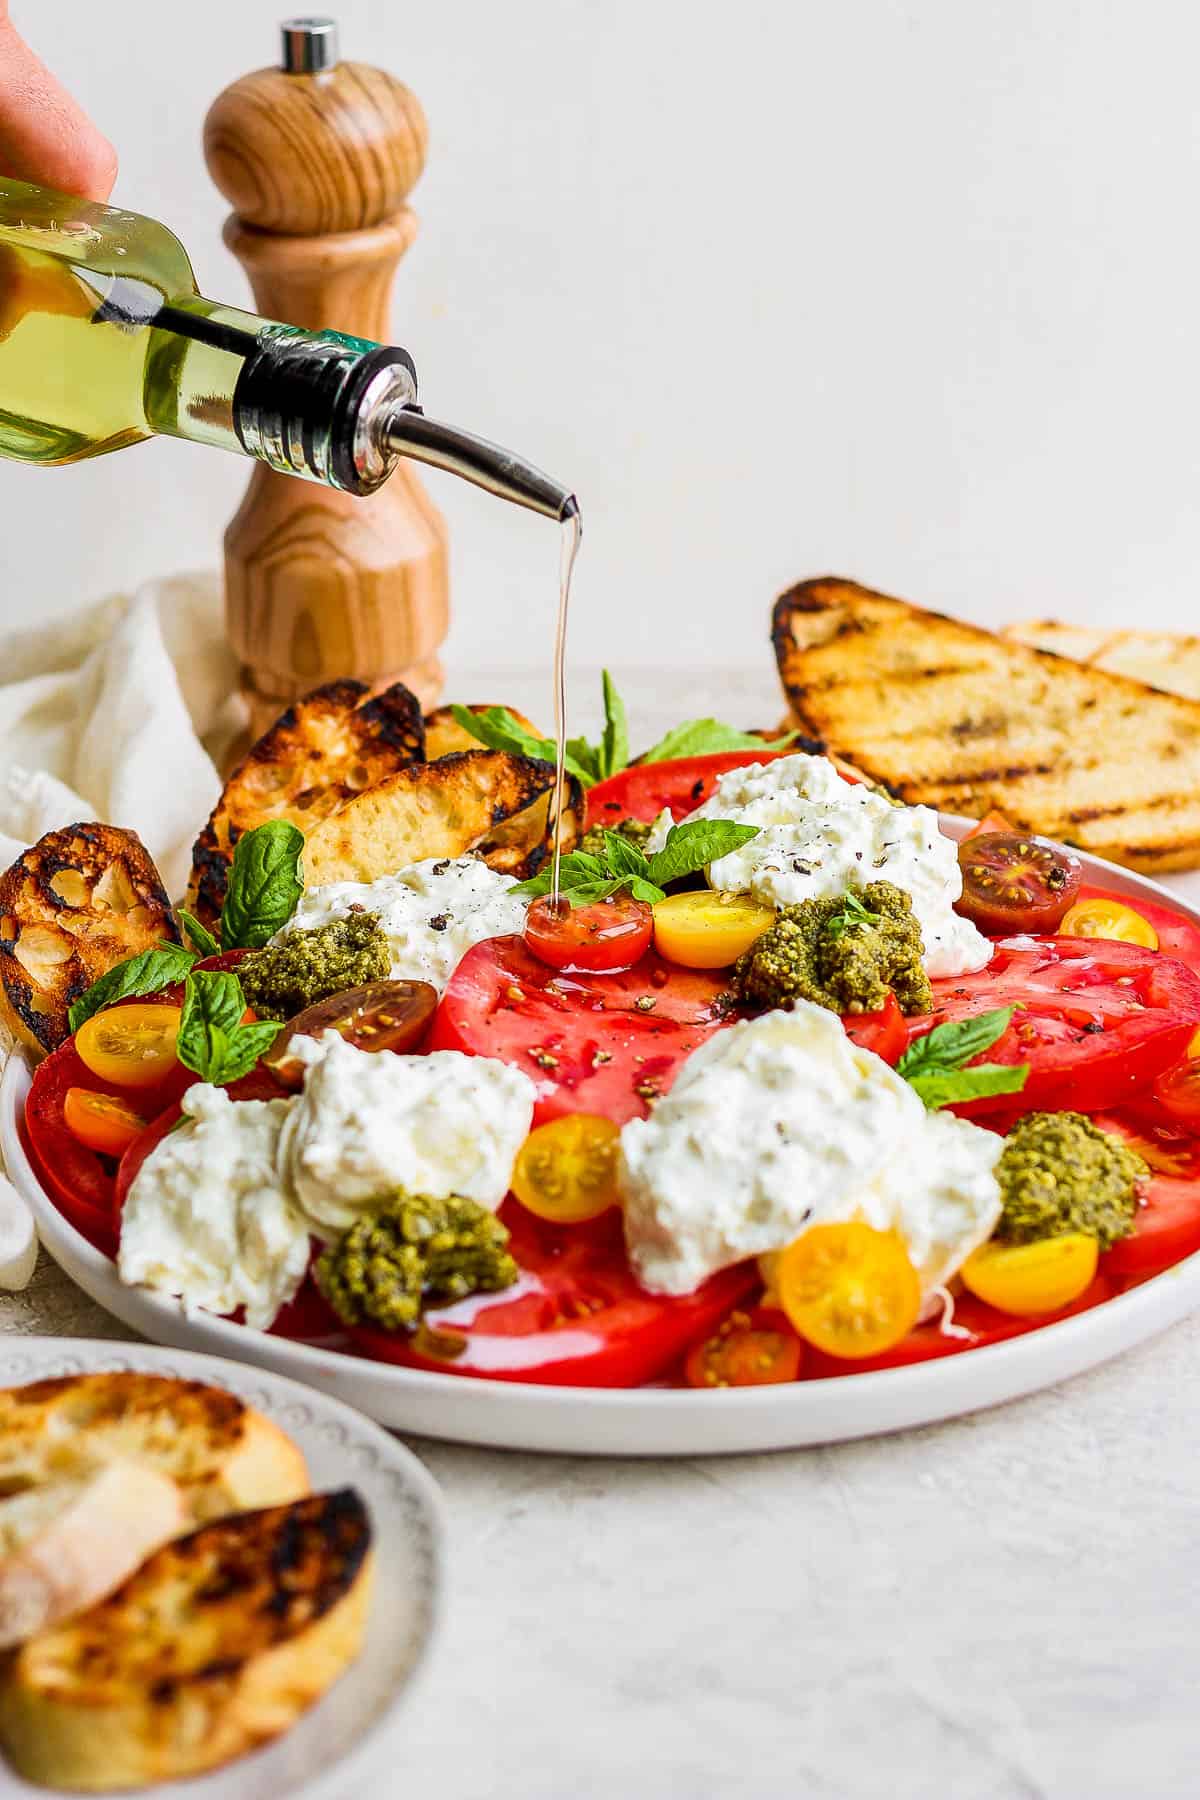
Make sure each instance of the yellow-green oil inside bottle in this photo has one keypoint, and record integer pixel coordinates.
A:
(97, 312)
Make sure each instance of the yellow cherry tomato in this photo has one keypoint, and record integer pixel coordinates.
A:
(1030, 1279)
(131, 1046)
(1104, 918)
(566, 1170)
(708, 930)
(103, 1122)
(849, 1289)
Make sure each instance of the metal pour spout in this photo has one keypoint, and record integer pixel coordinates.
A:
(410, 433)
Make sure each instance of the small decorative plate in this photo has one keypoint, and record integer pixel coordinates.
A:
(341, 1747)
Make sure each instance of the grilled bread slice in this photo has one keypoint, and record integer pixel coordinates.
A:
(217, 1644)
(329, 746)
(223, 1455)
(955, 717)
(81, 900)
(1162, 659)
(463, 802)
(66, 1545)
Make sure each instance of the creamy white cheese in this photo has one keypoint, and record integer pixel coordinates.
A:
(369, 1123)
(780, 1123)
(819, 835)
(431, 913)
(209, 1217)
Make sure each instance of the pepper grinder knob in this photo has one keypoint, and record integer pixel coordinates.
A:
(317, 158)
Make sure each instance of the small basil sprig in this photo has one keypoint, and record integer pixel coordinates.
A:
(851, 912)
(589, 763)
(146, 973)
(212, 1041)
(199, 936)
(265, 885)
(584, 878)
(935, 1065)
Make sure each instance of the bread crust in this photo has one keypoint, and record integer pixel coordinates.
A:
(951, 716)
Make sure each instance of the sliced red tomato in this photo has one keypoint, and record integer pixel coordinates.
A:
(885, 1032)
(1097, 1021)
(576, 1317)
(993, 821)
(602, 1044)
(982, 1324)
(1167, 1224)
(1177, 935)
(644, 789)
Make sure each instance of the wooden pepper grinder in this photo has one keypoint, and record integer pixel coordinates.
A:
(317, 159)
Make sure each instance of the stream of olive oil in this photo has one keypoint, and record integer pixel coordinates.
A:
(572, 537)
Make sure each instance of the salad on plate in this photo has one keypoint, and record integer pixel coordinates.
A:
(755, 1075)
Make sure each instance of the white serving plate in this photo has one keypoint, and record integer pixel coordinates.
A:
(347, 1742)
(638, 1421)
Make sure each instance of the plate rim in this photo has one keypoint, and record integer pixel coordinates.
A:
(1002, 1371)
(360, 1759)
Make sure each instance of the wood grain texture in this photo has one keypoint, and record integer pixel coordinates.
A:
(319, 585)
(311, 154)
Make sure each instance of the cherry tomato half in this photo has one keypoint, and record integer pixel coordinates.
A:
(1032, 1280)
(708, 930)
(131, 1046)
(103, 1122)
(848, 1289)
(599, 939)
(1014, 883)
(755, 1349)
(380, 1015)
(566, 1170)
(1104, 917)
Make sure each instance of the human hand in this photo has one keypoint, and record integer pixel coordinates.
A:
(44, 136)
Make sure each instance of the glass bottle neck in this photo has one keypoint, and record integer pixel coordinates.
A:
(309, 403)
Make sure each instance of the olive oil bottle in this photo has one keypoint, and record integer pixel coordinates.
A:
(105, 341)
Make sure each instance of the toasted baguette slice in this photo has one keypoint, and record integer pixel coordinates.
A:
(217, 1644)
(327, 747)
(1162, 659)
(81, 900)
(223, 1455)
(955, 717)
(65, 1546)
(444, 736)
(461, 803)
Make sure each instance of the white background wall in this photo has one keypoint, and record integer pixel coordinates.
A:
(904, 290)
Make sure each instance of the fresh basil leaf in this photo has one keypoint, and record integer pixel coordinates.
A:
(704, 737)
(645, 891)
(587, 893)
(623, 856)
(499, 730)
(212, 1040)
(695, 844)
(614, 744)
(146, 973)
(265, 885)
(202, 939)
(949, 1087)
(951, 1045)
(586, 757)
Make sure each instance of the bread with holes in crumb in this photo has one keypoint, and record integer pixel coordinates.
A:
(76, 903)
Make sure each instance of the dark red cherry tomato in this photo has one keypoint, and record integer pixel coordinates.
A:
(380, 1015)
(1013, 882)
(609, 935)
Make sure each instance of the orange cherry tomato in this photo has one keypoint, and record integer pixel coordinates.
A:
(566, 1170)
(103, 1122)
(1103, 917)
(601, 938)
(131, 1046)
(755, 1349)
(850, 1290)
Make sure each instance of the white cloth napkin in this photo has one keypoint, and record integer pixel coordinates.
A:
(115, 712)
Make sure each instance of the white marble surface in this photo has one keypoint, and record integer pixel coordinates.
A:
(1000, 1608)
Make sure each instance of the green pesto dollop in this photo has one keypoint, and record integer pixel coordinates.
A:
(280, 980)
(847, 954)
(411, 1250)
(1060, 1173)
(636, 830)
